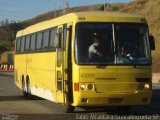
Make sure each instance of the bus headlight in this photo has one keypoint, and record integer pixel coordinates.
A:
(90, 86)
(140, 86)
(82, 86)
(147, 86)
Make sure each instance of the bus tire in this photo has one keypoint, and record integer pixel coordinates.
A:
(24, 89)
(68, 108)
(29, 96)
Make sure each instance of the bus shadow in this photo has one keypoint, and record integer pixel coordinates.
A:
(155, 99)
(11, 98)
(36, 98)
(18, 98)
(135, 111)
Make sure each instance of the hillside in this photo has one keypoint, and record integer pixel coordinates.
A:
(8, 32)
(147, 8)
(151, 10)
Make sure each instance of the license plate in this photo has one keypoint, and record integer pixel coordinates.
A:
(115, 100)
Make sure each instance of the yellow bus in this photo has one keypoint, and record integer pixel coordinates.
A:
(86, 59)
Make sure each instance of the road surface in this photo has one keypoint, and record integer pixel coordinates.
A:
(14, 106)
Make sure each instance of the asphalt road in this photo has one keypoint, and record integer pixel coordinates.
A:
(14, 106)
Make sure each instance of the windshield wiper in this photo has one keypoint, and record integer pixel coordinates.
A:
(131, 60)
(102, 66)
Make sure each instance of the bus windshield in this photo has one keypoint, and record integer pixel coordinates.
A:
(112, 43)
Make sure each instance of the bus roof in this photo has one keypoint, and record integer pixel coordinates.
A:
(94, 16)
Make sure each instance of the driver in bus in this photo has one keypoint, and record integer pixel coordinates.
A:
(94, 50)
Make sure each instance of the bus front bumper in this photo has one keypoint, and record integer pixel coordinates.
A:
(116, 99)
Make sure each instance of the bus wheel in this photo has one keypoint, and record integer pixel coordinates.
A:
(67, 108)
(24, 89)
(29, 96)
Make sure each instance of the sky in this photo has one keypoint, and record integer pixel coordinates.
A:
(19, 10)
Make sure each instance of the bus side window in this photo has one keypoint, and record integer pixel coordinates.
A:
(39, 41)
(22, 44)
(27, 45)
(52, 43)
(59, 38)
(18, 45)
(33, 42)
(45, 40)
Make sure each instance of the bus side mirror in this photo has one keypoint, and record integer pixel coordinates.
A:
(152, 42)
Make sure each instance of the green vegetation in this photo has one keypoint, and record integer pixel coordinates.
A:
(147, 8)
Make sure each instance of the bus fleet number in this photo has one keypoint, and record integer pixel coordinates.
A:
(87, 76)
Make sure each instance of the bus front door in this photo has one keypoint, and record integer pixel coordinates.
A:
(60, 66)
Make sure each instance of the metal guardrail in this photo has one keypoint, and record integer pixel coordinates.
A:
(5, 67)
